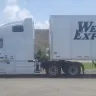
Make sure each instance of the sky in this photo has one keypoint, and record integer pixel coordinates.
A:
(40, 10)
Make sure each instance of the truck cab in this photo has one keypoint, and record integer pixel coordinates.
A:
(17, 47)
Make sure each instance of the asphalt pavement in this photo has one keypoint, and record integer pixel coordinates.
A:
(47, 87)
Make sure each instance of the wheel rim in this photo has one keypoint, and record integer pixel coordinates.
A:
(53, 70)
(73, 70)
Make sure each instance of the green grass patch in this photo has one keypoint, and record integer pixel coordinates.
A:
(89, 65)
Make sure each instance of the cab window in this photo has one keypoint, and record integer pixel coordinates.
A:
(18, 28)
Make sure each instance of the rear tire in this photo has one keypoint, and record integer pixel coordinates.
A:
(53, 71)
(73, 70)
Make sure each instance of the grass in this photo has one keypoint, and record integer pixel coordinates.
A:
(89, 65)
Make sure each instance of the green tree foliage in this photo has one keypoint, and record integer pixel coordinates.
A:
(41, 55)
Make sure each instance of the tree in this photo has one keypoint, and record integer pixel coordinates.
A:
(41, 55)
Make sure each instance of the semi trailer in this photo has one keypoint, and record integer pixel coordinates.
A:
(72, 37)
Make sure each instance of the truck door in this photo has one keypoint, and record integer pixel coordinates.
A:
(3, 65)
(7, 63)
(10, 44)
(2, 54)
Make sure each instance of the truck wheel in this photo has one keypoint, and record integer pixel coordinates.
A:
(53, 71)
(73, 70)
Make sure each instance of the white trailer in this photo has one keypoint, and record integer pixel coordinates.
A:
(73, 37)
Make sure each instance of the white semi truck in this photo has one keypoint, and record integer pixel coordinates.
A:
(72, 37)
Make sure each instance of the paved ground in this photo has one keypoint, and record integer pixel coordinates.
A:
(47, 87)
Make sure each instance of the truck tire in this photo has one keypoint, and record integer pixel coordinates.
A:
(53, 71)
(73, 70)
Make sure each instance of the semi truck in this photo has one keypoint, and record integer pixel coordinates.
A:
(71, 37)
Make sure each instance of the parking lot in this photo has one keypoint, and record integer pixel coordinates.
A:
(47, 87)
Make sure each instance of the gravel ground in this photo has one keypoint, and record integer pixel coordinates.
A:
(47, 87)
